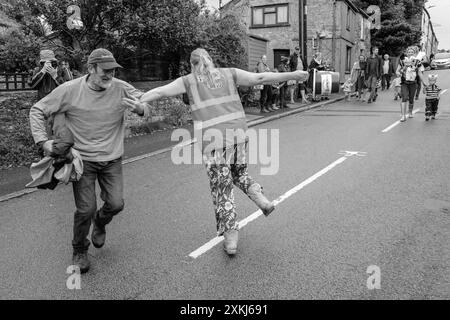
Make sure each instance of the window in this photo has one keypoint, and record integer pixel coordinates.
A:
(363, 26)
(348, 60)
(269, 16)
(349, 12)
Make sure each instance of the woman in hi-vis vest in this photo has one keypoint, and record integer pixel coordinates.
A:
(217, 111)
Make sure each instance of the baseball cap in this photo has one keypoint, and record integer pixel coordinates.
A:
(103, 58)
(47, 55)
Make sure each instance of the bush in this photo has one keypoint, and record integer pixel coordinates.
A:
(16, 142)
(17, 147)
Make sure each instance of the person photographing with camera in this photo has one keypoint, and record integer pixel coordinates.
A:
(45, 77)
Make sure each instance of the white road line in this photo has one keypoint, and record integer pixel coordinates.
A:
(397, 122)
(215, 241)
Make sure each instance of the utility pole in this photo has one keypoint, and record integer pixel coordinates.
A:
(303, 11)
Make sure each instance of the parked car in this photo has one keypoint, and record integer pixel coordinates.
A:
(441, 60)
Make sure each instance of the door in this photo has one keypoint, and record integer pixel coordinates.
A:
(277, 54)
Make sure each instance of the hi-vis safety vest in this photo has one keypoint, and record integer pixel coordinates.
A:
(218, 108)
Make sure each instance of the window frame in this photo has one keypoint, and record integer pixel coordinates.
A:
(348, 19)
(348, 59)
(264, 25)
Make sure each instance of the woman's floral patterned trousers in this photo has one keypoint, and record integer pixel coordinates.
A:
(225, 170)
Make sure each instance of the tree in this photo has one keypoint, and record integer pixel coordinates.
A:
(400, 24)
(135, 28)
(126, 27)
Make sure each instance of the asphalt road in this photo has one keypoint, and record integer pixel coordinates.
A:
(387, 206)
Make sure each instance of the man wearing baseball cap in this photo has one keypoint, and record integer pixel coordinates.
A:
(94, 106)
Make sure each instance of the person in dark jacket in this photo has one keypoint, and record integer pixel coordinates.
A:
(373, 73)
(296, 62)
(387, 72)
(316, 64)
(45, 77)
(266, 92)
(283, 67)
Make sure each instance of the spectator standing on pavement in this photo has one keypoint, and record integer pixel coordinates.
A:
(94, 106)
(45, 79)
(283, 67)
(276, 99)
(388, 71)
(296, 62)
(358, 76)
(315, 65)
(64, 72)
(409, 69)
(216, 107)
(373, 73)
(266, 92)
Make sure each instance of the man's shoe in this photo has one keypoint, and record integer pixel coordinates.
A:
(81, 260)
(410, 115)
(275, 108)
(255, 194)
(231, 241)
(403, 119)
(427, 118)
(433, 117)
(98, 235)
(264, 110)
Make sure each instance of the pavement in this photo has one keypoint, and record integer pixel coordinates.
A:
(362, 213)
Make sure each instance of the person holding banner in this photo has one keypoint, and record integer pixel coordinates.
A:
(315, 65)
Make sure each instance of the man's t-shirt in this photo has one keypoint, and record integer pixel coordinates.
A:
(95, 118)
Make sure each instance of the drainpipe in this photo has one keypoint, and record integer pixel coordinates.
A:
(333, 39)
(302, 25)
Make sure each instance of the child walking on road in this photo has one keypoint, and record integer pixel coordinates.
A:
(431, 97)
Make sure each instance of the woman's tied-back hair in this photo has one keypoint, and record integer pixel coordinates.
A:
(415, 49)
(203, 68)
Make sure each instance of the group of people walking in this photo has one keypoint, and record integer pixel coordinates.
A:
(370, 74)
(274, 96)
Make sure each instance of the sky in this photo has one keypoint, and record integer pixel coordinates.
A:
(440, 19)
(439, 13)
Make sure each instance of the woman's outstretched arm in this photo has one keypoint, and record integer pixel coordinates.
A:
(174, 88)
(248, 79)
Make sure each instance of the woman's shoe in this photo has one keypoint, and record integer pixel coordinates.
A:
(403, 118)
(230, 242)
(255, 194)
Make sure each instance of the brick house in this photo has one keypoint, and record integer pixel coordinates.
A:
(337, 28)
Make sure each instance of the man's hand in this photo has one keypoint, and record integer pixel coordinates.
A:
(53, 72)
(301, 75)
(135, 106)
(48, 147)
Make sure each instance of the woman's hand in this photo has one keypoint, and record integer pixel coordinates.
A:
(301, 75)
(135, 106)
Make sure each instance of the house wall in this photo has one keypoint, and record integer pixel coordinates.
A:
(321, 24)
